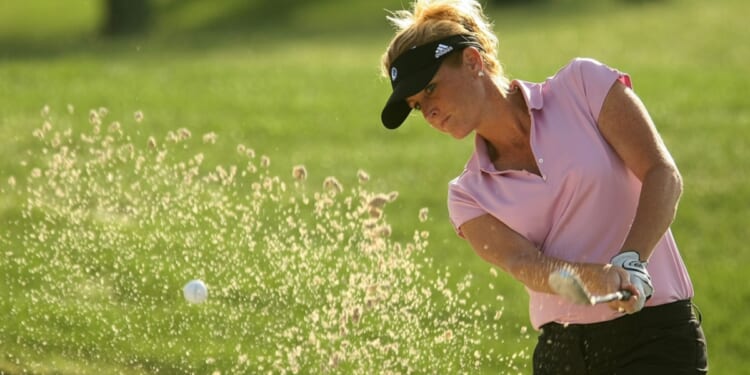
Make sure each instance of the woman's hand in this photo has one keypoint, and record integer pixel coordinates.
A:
(639, 276)
(608, 278)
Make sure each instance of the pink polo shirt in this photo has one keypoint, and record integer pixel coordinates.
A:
(581, 207)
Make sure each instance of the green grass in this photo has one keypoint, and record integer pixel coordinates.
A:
(304, 90)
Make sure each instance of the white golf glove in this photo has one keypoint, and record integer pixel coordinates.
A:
(639, 277)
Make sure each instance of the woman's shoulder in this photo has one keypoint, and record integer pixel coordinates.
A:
(580, 67)
(586, 76)
(465, 178)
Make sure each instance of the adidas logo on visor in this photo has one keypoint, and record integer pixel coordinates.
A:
(441, 50)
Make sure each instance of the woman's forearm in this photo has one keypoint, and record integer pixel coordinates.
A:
(657, 206)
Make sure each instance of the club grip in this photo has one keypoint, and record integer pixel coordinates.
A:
(625, 295)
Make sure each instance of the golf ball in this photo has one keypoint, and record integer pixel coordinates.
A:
(195, 291)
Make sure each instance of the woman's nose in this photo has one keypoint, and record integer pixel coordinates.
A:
(430, 114)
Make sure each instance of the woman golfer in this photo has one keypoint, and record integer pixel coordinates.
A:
(568, 174)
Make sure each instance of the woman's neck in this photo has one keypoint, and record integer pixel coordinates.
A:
(507, 128)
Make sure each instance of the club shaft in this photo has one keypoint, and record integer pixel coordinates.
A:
(616, 296)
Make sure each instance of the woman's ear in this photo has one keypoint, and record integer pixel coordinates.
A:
(473, 59)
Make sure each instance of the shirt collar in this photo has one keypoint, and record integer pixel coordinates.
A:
(480, 160)
(532, 92)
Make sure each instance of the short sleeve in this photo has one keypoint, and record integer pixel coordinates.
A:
(595, 79)
(461, 206)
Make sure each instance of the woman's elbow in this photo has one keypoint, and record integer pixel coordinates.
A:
(667, 176)
(676, 180)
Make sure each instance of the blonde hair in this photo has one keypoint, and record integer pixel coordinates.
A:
(430, 20)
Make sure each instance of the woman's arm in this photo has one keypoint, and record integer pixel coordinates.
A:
(503, 247)
(628, 128)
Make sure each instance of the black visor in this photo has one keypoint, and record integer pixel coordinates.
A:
(413, 70)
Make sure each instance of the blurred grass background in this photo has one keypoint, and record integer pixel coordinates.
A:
(300, 81)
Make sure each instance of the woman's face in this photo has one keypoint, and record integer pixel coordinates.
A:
(451, 100)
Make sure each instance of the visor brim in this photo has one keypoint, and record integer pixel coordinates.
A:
(396, 109)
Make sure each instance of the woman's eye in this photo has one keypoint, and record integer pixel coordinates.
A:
(430, 88)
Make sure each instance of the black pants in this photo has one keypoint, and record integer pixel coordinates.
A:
(665, 339)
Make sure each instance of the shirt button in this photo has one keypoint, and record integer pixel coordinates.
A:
(541, 161)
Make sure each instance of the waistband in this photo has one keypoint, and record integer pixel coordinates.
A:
(652, 316)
